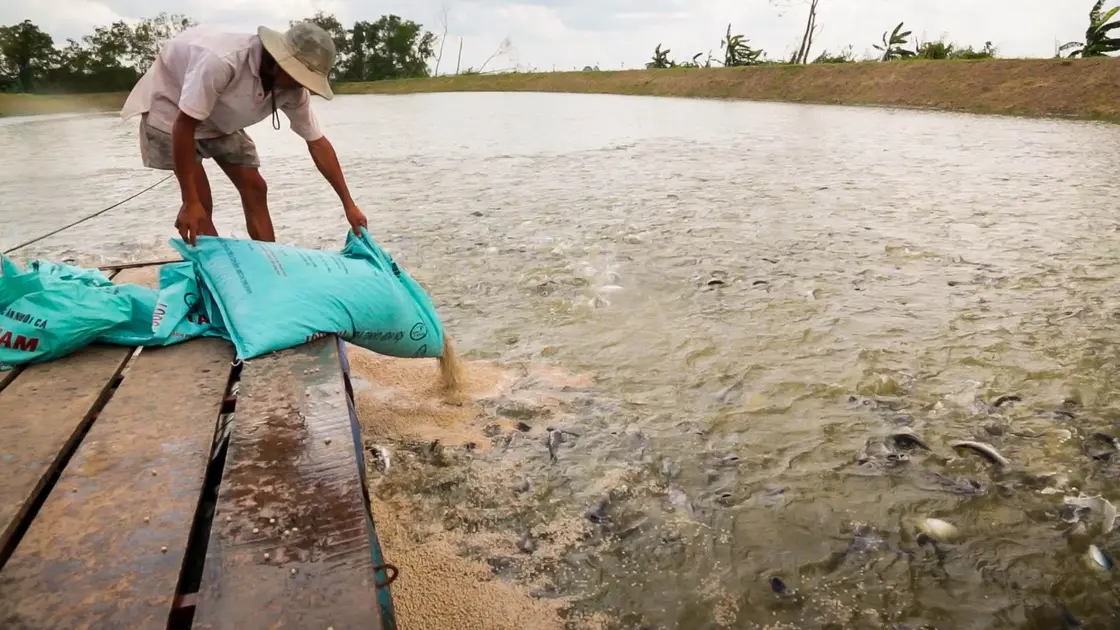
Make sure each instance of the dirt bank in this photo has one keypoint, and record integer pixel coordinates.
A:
(37, 104)
(1087, 89)
(1083, 89)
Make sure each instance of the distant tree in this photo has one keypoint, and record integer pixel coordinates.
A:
(802, 55)
(389, 48)
(442, 38)
(987, 52)
(504, 48)
(893, 43)
(694, 62)
(845, 56)
(149, 36)
(934, 50)
(660, 58)
(27, 53)
(403, 48)
(737, 52)
(1097, 42)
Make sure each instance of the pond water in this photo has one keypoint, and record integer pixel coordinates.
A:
(762, 294)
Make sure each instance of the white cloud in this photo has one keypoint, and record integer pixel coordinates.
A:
(612, 33)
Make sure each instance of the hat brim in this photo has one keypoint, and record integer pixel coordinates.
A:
(273, 42)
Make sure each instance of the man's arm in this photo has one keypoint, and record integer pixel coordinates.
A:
(183, 156)
(304, 123)
(326, 160)
(205, 79)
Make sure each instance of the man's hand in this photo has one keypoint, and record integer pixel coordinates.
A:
(356, 219)
(193, 221)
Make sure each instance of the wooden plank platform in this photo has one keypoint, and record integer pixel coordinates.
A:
(112, 464)
(47, 408)
(289, 547)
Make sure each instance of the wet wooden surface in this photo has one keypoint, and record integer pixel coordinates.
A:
(45, 411)
(89, 559)
(46, 408)
(291, 475)
(7, 376)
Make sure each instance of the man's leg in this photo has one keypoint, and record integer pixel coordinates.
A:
(254, 200)
(202, 185)
(237, 155)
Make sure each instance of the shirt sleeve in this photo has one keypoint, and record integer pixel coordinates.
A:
(302, 119)
(206, 77)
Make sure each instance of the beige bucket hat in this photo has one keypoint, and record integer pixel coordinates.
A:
(306, 52)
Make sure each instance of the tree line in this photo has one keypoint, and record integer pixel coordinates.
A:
(895, 44)
(114, 57)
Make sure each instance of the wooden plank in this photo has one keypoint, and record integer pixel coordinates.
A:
(47, 409)
(291, 474)
(8, 376)
(90, 560)
(134, 265)
(146, 275)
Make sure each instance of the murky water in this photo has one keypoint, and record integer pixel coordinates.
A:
(773, 282)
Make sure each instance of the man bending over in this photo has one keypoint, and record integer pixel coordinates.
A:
(205, 87)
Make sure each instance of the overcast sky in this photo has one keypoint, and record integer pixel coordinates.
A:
(614, 33)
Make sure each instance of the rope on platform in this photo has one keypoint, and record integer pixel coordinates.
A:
(92, 216)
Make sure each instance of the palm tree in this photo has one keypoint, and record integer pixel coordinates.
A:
(1097, 42)
(893, 45)
(737, 52)
(660, 58)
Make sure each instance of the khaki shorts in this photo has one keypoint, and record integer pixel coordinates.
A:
(236, 148)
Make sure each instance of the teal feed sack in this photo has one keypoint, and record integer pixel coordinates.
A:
(182, 310)
(51, 310)
(271, 296)
(47, 316)
(171, 315)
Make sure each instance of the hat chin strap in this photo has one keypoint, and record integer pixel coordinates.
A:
(275, 114)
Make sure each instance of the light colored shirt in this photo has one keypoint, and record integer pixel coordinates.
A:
(214, 76)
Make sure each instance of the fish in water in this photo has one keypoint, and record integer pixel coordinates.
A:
(382, 455)
(906, 438)
(987, 451)
(864, 540)
(1058, 414)
(937, 529)
(778, 586)
(876, 453)
(527, 544)
(1006, 398)
(598, 512)
(1102, 446)
(1068, 620)
(680, 500)
(554, 440)
(956, 485)
(1097, 506)
(1098, 559)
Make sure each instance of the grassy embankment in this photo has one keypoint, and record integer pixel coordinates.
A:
(1086, 89)
(34, 104)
